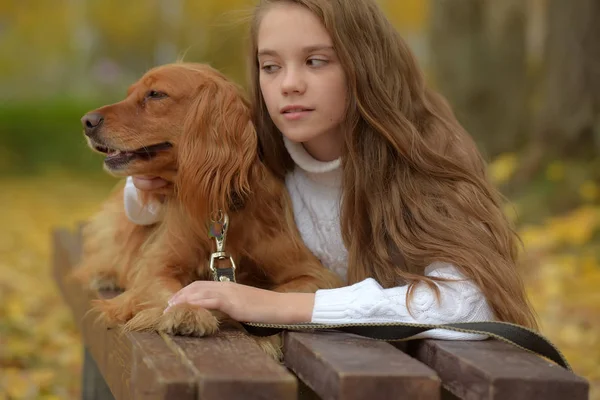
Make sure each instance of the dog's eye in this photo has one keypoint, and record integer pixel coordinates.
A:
(155, 94)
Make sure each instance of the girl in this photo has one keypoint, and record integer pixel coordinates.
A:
(388, 189)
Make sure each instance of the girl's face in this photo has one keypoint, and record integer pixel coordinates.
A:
(301, 79)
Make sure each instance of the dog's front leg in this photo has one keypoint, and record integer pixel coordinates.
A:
(139, 307)
(183, 319)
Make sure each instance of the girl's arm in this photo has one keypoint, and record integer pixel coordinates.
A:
(367, 301)
(136, 211)
(362, 302)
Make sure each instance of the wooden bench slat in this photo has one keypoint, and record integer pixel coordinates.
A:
(66, 253)
(67, 248)
(495, 370)
(251, 373)
(158, 372)
(343, 366)
(93, 385)
(118, 360)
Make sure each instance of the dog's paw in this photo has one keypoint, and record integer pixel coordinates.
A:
(188, 320)
(112, 312)
(145, 320)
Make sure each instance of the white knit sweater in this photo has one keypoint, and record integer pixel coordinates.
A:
(315, 189)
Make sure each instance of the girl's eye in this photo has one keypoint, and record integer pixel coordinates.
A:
(270, 68)
(155, 94)
(316, 62)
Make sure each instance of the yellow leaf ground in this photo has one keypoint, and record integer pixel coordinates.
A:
(40, 348)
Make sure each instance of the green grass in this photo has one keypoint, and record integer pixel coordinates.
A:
(35, 136)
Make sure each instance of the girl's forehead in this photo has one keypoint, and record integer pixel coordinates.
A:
(290, 25)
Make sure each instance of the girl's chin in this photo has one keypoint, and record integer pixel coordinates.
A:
(298, 137)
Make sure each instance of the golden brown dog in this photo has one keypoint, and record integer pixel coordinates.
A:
(189, 125)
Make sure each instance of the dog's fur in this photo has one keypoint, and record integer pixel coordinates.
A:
(213, 164)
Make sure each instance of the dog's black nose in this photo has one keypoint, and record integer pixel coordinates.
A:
(91, 122)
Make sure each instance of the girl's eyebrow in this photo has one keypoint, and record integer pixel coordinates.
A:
(307, 49)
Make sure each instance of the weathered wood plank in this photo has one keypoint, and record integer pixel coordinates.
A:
(344, 366)
(93, 384)
(67, 248)
(158, 372)
(251, 374)
(495, 370)
(117, 370)
(65, 255)
(135, 365)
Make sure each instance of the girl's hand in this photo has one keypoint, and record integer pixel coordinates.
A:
(247, 303)
(146, 183)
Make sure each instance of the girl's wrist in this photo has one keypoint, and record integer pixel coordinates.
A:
(295, 308)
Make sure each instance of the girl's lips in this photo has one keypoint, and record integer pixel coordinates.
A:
(296, 115)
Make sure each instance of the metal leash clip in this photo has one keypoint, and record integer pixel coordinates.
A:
(218, 231)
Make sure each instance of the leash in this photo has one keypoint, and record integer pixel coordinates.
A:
(218, 230)
(513, 334)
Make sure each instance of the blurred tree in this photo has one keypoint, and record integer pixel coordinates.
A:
(406, 15)
(35, 39)
(568, 120)
(224, 25)
(478, 61)
(125, 33)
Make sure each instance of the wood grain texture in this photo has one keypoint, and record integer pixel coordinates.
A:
(158, 372)
(344, 366)
(495, 370)
(250, 373)
(93, 385)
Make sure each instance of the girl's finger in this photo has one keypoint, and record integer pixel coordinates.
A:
(192, 295)
(183, 296)
(208, 303)
(194, 286)
(148, 183)
(205, 289)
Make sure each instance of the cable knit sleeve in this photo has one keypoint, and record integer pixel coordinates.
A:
(137, 212)
(367, 301)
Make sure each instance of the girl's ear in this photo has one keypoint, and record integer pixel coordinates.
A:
(217, 151)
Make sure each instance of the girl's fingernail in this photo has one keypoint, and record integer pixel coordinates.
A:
(166, 309)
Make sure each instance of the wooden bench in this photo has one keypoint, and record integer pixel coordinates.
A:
(323, 365)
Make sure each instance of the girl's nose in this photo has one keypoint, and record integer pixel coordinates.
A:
(293, 82)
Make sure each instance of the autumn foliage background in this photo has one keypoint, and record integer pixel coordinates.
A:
(522, 75)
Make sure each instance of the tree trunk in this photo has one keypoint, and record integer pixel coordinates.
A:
(478, 62)
(568, 122)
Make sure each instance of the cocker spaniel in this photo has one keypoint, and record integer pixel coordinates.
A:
(189, 125)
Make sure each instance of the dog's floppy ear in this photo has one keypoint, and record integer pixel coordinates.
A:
(217, 152)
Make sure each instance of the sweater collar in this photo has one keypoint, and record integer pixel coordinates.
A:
(328, 173)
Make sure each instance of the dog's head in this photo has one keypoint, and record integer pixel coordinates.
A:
(185, 123)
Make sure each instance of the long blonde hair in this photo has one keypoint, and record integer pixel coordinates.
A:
(415, 189)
